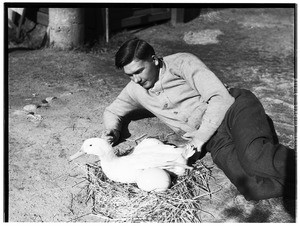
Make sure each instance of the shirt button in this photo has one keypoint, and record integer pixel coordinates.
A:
(166, 105)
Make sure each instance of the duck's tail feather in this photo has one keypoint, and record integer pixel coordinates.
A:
(188, 151)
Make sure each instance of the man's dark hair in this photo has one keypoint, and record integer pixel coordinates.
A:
(133, 49)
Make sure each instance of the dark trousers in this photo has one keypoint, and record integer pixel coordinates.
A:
(245, 147)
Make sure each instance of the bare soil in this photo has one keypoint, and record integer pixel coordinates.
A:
(247, 48)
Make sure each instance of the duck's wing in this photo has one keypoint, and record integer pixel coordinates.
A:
(149, 158)
(153, 148)
(147, 143)
(164, 149)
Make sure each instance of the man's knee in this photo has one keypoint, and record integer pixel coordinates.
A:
(256, 188)
(249, 162)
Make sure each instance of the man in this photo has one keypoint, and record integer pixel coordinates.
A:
(230, 124)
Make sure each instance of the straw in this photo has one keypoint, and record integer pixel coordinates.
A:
(117, 202)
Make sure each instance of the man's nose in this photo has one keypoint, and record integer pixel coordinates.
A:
(136, 78)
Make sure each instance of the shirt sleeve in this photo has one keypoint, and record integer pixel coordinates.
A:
(121, 106)
(212, 91)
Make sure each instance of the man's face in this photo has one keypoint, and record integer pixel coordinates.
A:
(142, 72)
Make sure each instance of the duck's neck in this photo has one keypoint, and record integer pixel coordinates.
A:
(109, 154)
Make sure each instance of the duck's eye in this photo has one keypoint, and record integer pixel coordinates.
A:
(91, 145)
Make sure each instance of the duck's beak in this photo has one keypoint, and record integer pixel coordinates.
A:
(76, 155)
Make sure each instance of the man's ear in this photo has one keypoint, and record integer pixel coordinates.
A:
(155, 60)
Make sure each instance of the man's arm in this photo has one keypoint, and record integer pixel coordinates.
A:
(113, 125)
(212, 91)
(114, 113)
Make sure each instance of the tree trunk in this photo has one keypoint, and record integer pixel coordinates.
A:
(66, 27)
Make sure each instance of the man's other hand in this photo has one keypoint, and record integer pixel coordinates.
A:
(112, 136)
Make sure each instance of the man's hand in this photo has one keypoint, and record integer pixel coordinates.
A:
(193, 140)
(112, 136)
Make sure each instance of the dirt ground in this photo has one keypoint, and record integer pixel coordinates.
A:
(248, 48)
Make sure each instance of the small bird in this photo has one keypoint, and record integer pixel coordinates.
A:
(150, 153)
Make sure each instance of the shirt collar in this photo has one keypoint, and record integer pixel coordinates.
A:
(157, 85)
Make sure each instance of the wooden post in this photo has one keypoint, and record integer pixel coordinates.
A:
(106, 25)
(66, 27)
(177, 16)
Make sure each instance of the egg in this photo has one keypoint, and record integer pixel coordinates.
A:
(154, 179)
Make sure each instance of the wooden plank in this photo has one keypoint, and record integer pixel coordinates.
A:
(117, 13)
(139, 20)
(100, 23)
(44, 10)
(42, 18)
(18, 10)
(21, 22)
(11, 18)
(177, 16)
(143, 11)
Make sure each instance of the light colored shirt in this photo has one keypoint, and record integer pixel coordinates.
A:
(187, 97)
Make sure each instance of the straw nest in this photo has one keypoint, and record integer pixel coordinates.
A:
(117, 202)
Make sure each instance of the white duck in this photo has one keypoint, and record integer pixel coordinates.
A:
(150, 153)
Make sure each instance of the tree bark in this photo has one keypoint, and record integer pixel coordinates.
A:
(66, 27)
